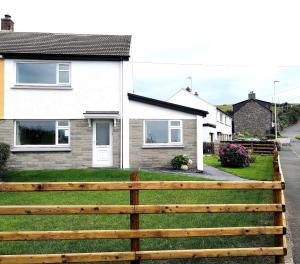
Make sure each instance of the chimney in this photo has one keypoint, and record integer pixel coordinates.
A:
(188, 89)
(196, 94)
(7, 24)
(251, 95)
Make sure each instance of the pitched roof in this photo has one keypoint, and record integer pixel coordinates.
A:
(59, 45)
(262, 103)
(164, 104)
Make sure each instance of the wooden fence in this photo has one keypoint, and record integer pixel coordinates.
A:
(135, 209)
(257, 147)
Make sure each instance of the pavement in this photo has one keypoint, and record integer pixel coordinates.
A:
(290, 162)
(209, 172)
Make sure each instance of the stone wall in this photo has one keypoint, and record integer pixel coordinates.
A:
(254, 119)
(80, 155)
(144, 157)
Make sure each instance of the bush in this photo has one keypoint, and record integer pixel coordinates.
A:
(234, 155)
(4, 155)
(178, 161)
(208, 148)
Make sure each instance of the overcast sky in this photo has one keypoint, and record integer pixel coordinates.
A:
(228, 47)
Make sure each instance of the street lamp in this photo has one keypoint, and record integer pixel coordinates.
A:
(275, 109)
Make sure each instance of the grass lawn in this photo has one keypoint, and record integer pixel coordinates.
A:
(260, 170)
(297, 137)
(88, 222)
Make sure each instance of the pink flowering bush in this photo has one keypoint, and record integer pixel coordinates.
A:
(234, 155)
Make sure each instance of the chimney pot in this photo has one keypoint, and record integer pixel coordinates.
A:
(7, 24)
(188, 89)
(251, 95)
(196, 94)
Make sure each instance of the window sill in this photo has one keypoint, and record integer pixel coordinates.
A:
(43, 87)
(41, 149)
(162, 146)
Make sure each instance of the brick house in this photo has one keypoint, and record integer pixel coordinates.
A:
(66, 101)
(253, 116)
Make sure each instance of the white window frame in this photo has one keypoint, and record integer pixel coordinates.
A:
(57, 63)
(170, 127)
(44, 146)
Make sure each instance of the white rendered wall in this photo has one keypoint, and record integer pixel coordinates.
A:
(200, 143)
(96, 86)
(139, 110)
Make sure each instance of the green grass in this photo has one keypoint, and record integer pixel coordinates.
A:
(260, 170)
(297, 137)
(85, 222)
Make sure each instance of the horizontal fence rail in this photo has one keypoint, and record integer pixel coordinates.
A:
(134, 209)
(141, 185)
(137, 209)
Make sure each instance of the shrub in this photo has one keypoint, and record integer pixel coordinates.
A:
(234, 155)
(180, 160)
(208, 148)
(4, 155)
(297, 137)
(252, 158)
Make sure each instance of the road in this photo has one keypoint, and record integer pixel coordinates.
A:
(290, 161)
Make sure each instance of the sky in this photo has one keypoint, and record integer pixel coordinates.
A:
(228, 48)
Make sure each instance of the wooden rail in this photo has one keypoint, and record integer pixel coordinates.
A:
(134, 209)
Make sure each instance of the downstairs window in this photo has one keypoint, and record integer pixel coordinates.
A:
(42, 133)
(166, 132)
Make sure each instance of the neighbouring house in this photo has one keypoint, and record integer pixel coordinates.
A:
(217, 125)
(66, 101)
(253, 116)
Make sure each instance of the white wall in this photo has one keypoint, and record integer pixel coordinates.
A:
(139, 110)
(183, 97)
(96, 86)
(225, 127)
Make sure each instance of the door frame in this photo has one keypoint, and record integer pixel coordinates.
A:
(94, 164)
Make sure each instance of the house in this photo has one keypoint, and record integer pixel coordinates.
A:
(217, 125)
(253, 116)
(66, 101)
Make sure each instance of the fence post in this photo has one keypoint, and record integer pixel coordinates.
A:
(277, 198)
(134, 218)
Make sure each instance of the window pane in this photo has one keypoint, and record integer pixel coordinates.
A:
(63, 77)
(175, 135)
(175, 123)
(63, 136)
(102, 134)
(156, 132)
(35, 132)
(64, 67)
(63, 123)
(44, 73)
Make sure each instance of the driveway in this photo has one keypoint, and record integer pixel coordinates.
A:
(290, 161)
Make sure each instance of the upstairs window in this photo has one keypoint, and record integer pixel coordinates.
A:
(43, 73)
(163, 132)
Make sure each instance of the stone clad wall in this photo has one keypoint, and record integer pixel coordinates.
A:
(253, 118)
(141, 157)
(80, 155)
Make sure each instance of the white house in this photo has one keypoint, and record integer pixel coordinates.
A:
(66, 102)
(217, 125)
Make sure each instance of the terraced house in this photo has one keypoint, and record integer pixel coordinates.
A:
(66, 101)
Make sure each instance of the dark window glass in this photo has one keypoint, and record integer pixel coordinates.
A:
(63, 136)
(156, 132)
(35, 132)
(44, 73)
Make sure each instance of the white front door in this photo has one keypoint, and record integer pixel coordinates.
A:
(102, 144)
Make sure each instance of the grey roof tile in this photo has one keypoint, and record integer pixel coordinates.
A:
(64, 44)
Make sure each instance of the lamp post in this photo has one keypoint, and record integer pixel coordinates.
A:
(275, 109)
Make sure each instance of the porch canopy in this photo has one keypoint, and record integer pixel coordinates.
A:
(89, 115)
